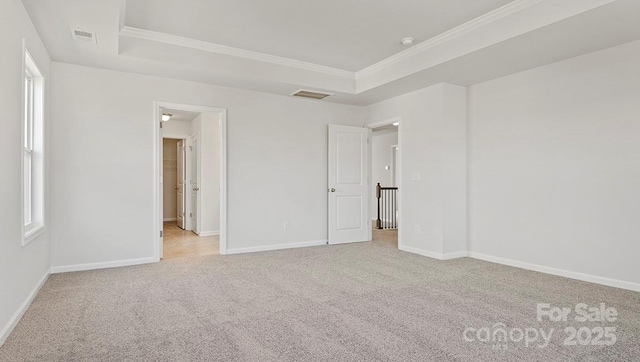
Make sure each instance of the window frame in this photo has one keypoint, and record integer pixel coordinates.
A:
(32, 149)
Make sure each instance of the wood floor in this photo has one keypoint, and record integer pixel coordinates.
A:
(180, 243)
(387, 237)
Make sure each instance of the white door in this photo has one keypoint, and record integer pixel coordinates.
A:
(193, 183)
(180, 184)
(348, 183)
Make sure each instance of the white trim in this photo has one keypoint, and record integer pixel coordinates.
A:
(209, 233)
(382, 123)
(182, 138)
(157, 215)
(189, 170)
(8, 328)
(429, 254)
(174, 136)
(434, 255)
(352, 242)
(301, 244)
(386, 122)
(32, 234)
(455, 255)
(122, 7)
(424, 47)
(24, 240)
(616, 283)
(393, 165)
(102, 265)
(449, 35)
(38, 195)
(227, 50)
(223, 183)
(559, 272)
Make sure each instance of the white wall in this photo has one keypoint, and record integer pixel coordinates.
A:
(209, 130)
(432, 138)
(22, 269)
(277, 149)
(381, 143)
(177, 128)
(169, 178)
(555, 165)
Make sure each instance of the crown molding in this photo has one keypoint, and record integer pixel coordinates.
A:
(449, 35)
(227, 50)
(122, 8)
(357, 77)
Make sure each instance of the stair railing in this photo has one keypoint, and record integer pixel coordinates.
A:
(387, 207)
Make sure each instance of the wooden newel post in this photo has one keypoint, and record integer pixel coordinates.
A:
(378, 221)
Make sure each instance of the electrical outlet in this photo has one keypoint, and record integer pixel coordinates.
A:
(417, 229)
(286, 225)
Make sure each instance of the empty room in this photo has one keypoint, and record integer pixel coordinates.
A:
(283, 180)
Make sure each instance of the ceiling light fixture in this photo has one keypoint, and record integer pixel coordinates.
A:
(166, 116)
(407, 41)
(396, 124)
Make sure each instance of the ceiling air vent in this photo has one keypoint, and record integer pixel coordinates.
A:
(311, 94)
(84, 36)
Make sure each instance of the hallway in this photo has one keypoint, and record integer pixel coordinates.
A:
(387, 237)
(180, 243)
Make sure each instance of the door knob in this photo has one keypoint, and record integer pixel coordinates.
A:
(333, 190)
(176, 188)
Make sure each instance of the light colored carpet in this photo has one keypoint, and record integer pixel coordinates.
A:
(357, 302)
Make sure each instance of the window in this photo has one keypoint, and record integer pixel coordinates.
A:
(33, 155)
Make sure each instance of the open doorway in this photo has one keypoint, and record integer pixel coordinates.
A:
(385, 182)
(191, 180)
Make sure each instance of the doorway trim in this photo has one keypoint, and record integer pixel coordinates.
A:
(157, 168)
(173, 137)
(387, 122)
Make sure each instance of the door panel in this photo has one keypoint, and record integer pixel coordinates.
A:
(348, 184)
(349, 158)
(349, 212)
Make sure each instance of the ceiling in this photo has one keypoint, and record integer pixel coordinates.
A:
(180, 115)
(344, 34)
(347, 47)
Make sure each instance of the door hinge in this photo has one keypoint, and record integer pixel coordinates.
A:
(160, 124)
(190, 214)
(160, 233)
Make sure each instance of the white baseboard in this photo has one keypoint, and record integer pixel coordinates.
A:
(426, 253)
(434, 255)
(6, 331)
(103, 265)
(209, 233)
(166, 219)
(559, 272)
(254, 249)
(455, 255)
